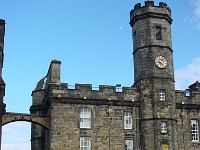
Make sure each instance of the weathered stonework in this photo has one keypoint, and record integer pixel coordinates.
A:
(11, 117)
(55, 111)
(53, 98)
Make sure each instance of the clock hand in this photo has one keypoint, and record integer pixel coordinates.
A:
(160, 62)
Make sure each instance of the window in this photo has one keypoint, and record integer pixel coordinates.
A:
(85, 143)
(187, 93)
(158, 33)
(127, 120)
(195, 130)
(162, 95)
(128, 144)
(134, 36)
(163, 127)
(85, 118)
(134, 39)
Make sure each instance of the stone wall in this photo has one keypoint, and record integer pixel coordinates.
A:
(107, 126)
(108, 107)
(188, 107)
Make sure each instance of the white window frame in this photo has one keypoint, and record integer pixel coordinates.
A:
(85, 118)
(163, 127)
(187, 93)
(128, 120)
(85, 143)
(162, 95)
(195, 130)
(128, 144)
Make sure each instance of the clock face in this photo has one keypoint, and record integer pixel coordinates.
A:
(161, 62)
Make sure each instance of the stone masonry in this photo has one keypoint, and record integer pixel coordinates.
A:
(107, 106)
(150, 115)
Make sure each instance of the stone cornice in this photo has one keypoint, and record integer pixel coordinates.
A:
(128, 103)
(187, 106)
(150, 46)
(150, 15)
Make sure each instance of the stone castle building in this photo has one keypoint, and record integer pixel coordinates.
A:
(150, 115)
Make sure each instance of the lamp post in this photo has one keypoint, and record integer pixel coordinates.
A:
(2, 105)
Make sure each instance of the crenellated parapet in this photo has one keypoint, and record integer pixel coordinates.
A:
(54, 88)
(51, 90)
(87, 92)
(149, 10)
(151, 4)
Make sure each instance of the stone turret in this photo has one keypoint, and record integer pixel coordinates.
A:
(151, 30)
(154, 74)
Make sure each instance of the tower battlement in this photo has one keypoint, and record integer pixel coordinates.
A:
(150, 10)
(151, 4)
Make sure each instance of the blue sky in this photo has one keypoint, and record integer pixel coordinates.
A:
(93, 41)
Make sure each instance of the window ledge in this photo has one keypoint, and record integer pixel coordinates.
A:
(128, 129)
(162, 133)
(195, 142)
(85, 128)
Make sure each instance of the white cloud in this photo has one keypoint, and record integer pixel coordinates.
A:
(188, 75)
(196, 12)
(16, 136)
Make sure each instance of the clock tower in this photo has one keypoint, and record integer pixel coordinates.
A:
(154, 74)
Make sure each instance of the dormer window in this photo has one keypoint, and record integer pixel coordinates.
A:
(187, 93)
